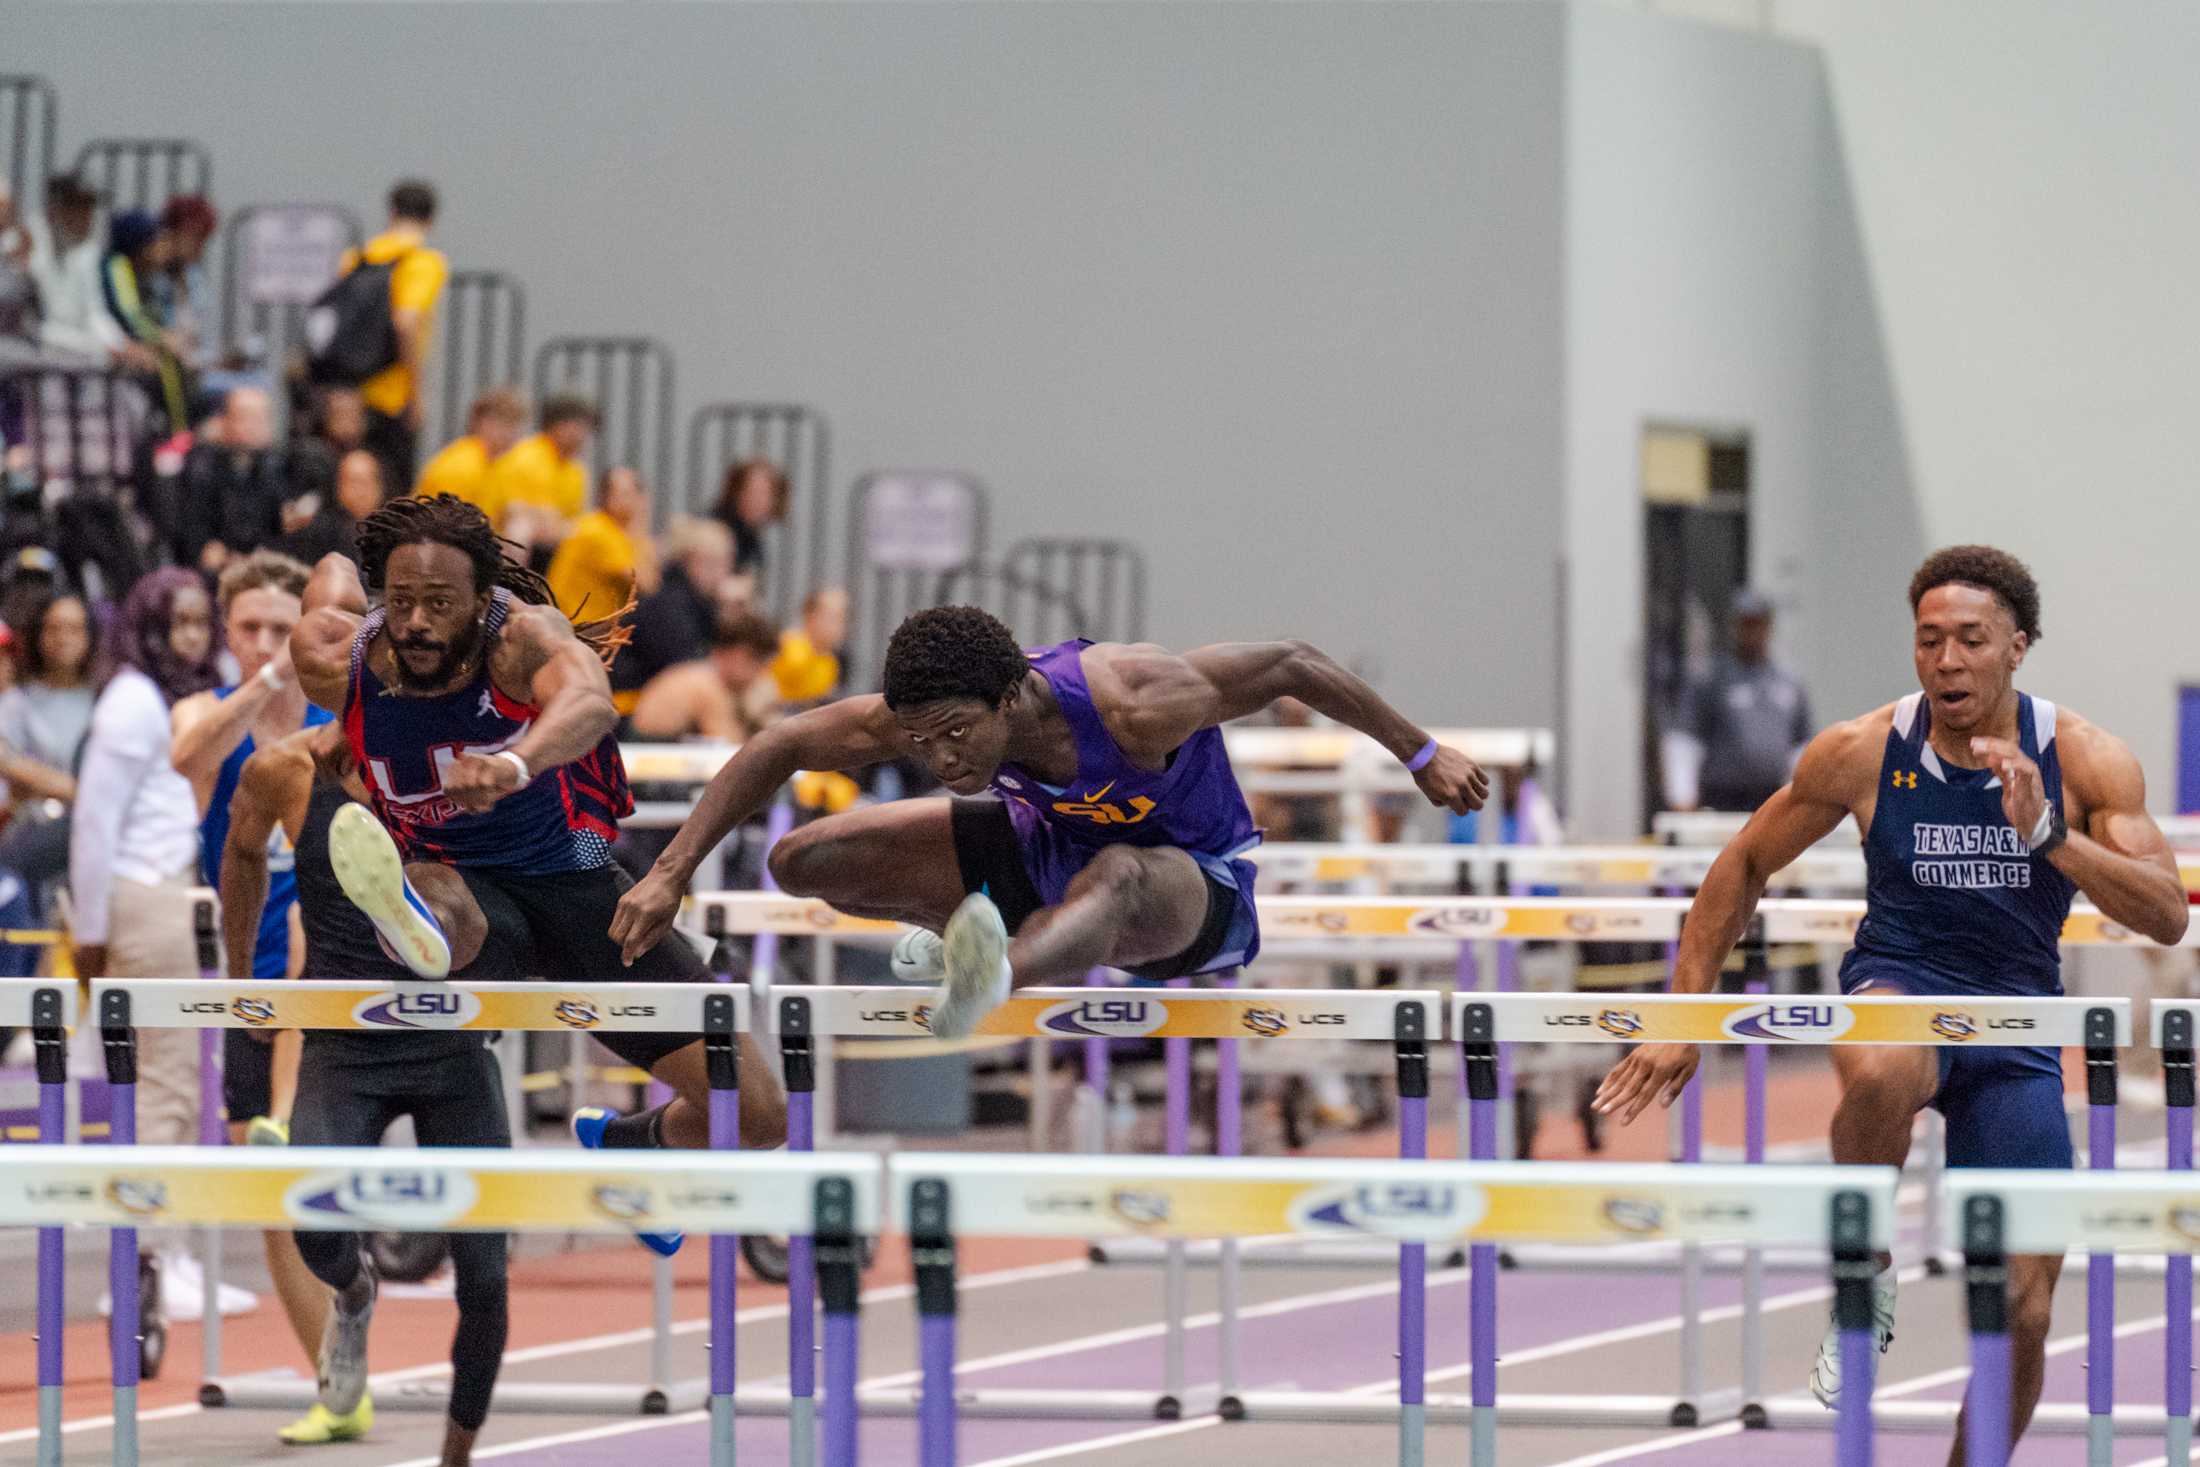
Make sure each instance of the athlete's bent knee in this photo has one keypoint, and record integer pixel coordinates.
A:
(801, 860)
(1116, 872)
(1891, 1076)
(2031, 1314)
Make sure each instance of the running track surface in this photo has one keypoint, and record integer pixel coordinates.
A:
(1037, 1315)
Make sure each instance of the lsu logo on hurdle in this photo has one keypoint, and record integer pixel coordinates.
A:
(253, 1010)
(1795, 1022)
(394, 1197)
(1955, 1026)
(418, 1008)
(1418, 1211)
(1109, 1018)
(1620, 1023)
(138, 1196)
(576, 1013)
(1265, 1022)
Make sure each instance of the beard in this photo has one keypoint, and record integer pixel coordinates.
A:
(454, 656)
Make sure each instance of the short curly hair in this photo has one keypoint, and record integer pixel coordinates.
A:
(952, 652)
(2009, 578)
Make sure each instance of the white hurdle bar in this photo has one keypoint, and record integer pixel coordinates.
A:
(1405, 1019)
(124, 1187)
(937, 1198)
(1482, 1022)
(2003, 1213)
(716, 1013)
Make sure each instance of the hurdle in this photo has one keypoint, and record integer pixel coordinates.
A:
(716, 1012)
(48, 1010)
(2001, 1213)
(935, 1198)
(126, 1186)
(1405, 1019)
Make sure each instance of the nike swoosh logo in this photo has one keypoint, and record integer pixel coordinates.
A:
(1096, 794)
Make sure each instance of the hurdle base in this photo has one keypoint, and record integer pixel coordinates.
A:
(1666, 1258)
(2053, 1418)
(1034, 1405)
(289, 1392)
(1274, 1253)
(1337, 1408)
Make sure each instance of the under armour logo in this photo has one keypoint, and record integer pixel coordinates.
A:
(1905, 779)
(488, 708)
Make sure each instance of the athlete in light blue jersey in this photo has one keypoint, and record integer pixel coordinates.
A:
(1112, 828)
(1983, 811)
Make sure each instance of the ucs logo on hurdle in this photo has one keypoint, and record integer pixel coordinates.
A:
(1110, 1018)
(419, 1008)
(1801, 1023)
(1427, 1212)
(393, 1197)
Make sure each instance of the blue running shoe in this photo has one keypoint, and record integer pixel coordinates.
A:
(588, 1124)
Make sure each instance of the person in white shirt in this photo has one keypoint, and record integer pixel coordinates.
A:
(134, 854)
(74, 321)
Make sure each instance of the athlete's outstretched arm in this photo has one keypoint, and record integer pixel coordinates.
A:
(272, 790)
(853, 733)
(1833, 773)
(565, 680)
(1155, 700)
(2120, 860)
(320, 646)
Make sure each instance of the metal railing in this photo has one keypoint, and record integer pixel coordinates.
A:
(906, 529)
(630, 380)
(30, 111)
(484, 343)
(796, 440)
(145, 173)
(1105, 579)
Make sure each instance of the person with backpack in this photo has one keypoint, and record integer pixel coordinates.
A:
(370, 329)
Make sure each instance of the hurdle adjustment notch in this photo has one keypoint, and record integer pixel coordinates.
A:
(203, 932)
(1478, 1047)
(1853, 1262)
(1411, 1027)
(118, 1037)
(796, 1053)
(2100, 1057)
(2177, 1087)
(721, 1054)
(839, 1255)
(49, 1041)
(1985, 1266)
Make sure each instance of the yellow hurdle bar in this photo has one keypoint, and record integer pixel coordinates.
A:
(1129, 1013)
(1467, 918)
(649, 1008)
(1953, 1019)
(1417, 1201)
(372, 1188)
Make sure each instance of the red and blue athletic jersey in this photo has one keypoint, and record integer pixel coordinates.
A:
(565, 819)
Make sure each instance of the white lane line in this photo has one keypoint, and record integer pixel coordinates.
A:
(94, 1423)
(1660, 1444)
(1100, 1443)
(563, 1438)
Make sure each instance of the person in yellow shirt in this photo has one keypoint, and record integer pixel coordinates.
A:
(539, 485)
(808, 665)
(392, 395)
(493, 424)
(608, 556)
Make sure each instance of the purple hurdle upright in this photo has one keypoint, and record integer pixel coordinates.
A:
(1478, 1058)
(1412, 1025)
(213, 1061)
(2100, 1268)
(1986, 1290)
(51, 1044)
(932, 1254)
(1096, 1072)
(2177, 1091)
(840, 1279)
(799, 1063)
(1229, 1141)
(1754, 1078)
(721, 1059)
(120, 1043)
(1175, 1290)
(1854, 1264)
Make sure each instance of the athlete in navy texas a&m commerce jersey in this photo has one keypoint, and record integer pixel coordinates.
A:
(1114, 826)
(481, 723)
(1982, 810)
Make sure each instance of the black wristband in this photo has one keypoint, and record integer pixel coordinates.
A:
(2058, 831)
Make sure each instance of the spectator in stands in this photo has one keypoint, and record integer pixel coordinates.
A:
(392, 395)
(807, 669)
(752, 500)
(340, 424)
(318, 524)
(18, 296)
(134, 849)
(1741, 728)
(674, 623)
(723, 696)
(608, 558)
(539, 486)
(233, 490)
(44, 717)
(494, 422)
(74, 322)
(185, 299)
(137, 254)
